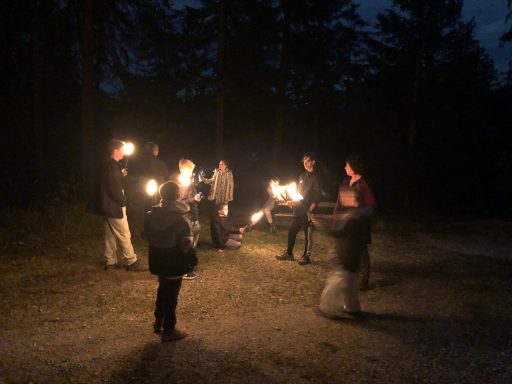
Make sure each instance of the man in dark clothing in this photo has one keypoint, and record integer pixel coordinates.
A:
(309, 189)
(153, 168)
(113, 207)
(171, 256)
(225, 236)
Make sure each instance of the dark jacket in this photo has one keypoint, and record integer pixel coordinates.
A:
(350, 234)
(153, 167)
(168, 233)
(111, 190)
(220, 230)
(309, 188)
(365, 199)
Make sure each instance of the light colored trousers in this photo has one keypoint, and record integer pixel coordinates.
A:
(196, 230)
(341, 293)
(234, 242)
(118, 230)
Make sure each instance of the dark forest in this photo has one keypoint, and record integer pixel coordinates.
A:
(257, 82)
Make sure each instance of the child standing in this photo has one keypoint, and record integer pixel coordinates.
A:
(171, 256)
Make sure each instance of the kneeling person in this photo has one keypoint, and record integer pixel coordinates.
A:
(224, 236)
(171, 256)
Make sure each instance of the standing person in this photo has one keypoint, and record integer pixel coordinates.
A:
(354, 191)
(340, 296)
(224, 235)
(153, 167)
(113, 207)
(222, 184)
(309, 189)
(189, 196)
(167, 230)
(270, 204)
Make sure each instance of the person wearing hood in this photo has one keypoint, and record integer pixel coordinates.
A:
(171, 256)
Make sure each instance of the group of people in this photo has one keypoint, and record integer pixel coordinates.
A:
(172, 228)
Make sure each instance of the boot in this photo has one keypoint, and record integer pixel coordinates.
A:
(157, 325)
(305, 259)
(285, 257)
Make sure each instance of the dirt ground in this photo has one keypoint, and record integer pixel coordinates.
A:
(439, 310)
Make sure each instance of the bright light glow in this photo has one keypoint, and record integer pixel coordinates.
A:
(185, 178)
(256, 217)
(293, 194)
(151, 187)
(128, 149)
(278, 191)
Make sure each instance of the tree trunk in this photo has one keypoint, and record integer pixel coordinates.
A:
(87, 132)
(37, 110)
(219, 142)
(282, 82)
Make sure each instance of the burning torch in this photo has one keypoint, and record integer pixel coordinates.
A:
(128, 149)
(151, 188)
(254, 219)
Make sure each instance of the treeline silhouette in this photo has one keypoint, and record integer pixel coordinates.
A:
(257, 82)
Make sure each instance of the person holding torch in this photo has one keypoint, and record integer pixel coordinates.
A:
(189, 196)
(309, 190)
(113, 207)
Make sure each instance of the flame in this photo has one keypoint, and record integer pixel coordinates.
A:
(151, 187)
(128, 149)
(278, 191)
(256, 217)
(293, 194)
(185, 179)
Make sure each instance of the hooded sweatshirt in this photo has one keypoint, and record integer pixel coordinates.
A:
(168, 233)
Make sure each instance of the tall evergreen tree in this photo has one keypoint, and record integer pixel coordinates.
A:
(431, 73)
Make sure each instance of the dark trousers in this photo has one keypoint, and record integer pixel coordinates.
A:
(364, 266)
(167, 300)
(299, 222)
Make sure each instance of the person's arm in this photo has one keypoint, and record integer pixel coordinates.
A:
(367, 195)
(114, 184)
(216, 232)
(316, 191)
(230, 186)
(210, 181)
(185, 237)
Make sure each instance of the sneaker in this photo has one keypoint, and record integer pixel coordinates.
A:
(157, 325)
(172, 335)
(285, 257)
(190, 276)
(136, 267)
(305, 260)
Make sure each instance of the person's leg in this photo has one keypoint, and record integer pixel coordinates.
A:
(236, 236)
(232, 244)
(196, 229)
(122, 232)
(110, 245)
(297, 223)
(340, 295)
(160, 304)
(330, 302)
(308, 242)
(169, 325)
(364, 269)
(172, 290)
(350, 293)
